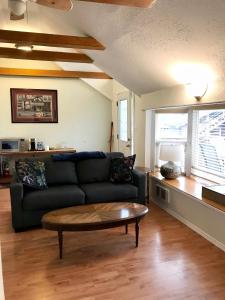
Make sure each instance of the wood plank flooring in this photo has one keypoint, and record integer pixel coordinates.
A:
(172, 262)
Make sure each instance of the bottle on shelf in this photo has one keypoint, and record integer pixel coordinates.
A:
(32, 144)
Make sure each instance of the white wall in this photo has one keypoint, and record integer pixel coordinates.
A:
(178, 96)
(206, 220)
(84, 114)
(103, 86)
(139, 132)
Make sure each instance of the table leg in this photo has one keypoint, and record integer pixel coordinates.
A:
(148, 196)
(60, 238)
(137, 231)
(126, 226)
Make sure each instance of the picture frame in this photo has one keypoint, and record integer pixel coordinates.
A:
(34, 105)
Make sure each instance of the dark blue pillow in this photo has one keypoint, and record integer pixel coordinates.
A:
(121, 170)
(63, 156)
(78, 155)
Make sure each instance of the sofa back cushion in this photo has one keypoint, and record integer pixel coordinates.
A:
(95, 170)
(60, 172)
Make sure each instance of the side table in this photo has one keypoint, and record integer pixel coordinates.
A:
(147, 171)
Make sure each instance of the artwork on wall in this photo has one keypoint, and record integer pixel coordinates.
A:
(34, 106)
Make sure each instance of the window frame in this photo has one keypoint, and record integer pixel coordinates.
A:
(188, 144)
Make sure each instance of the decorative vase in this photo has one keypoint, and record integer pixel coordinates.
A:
(170, 170)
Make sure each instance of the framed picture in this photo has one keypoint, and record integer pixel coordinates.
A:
(34, 106)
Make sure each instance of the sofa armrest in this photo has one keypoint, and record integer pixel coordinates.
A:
(16, 195)
(140, 182)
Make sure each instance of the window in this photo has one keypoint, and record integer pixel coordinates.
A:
(208, 142)
(201, 132)
(171, 128)
(123, 120)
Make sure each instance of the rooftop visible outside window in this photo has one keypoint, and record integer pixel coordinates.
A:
(172, 126)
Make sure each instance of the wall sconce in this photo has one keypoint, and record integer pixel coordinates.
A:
(197, 89)
(24, 47)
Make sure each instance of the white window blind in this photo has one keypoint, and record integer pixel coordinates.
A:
(208, 142)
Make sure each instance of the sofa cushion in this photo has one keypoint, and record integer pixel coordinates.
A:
(60, 172)
(53, 198)
(109, 192)
(95, 170)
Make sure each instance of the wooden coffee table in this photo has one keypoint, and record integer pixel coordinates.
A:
(94, 217)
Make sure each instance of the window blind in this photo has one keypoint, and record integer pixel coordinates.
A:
(208, 141)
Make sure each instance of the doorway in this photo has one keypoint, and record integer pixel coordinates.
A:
(125, 114)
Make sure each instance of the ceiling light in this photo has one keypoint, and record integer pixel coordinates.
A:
(24, 47)
(185, 73)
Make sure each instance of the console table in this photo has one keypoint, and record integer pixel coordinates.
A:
(26, 154)
(147, 171)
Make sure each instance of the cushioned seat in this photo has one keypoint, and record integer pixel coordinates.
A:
(72, 183)
(109, 192)
(54, 197)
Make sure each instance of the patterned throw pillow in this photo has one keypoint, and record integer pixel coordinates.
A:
(121, 169)
(31, 173)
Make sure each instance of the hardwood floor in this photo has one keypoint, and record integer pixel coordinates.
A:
(172, 262)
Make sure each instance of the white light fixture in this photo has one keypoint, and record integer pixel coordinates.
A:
(171, 154)
(197, 89)
(24, 47)
(17, 7)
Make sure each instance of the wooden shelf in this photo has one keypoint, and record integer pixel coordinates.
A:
(5, 180)
(189, 185)
(37, 153)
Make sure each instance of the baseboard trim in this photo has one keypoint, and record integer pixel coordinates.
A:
(192, 226)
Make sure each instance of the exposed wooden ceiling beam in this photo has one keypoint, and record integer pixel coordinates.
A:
(49, 40)
(44, 55)
(52, 73)
(132, 3)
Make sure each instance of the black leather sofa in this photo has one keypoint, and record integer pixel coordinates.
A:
(69, 184)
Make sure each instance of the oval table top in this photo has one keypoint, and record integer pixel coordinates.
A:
(91, 215)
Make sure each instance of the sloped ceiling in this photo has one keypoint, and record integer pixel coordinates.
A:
(142, 45)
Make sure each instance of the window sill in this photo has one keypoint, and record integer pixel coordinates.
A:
(191, 186)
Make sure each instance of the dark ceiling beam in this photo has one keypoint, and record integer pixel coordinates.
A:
(132, 3)
(52, 73)
(44, 55)
(49, 40)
